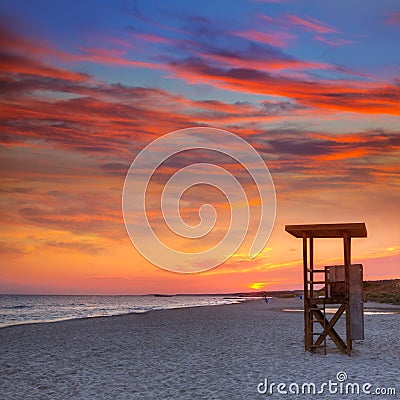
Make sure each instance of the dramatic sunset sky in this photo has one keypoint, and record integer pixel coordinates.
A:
(312, 85)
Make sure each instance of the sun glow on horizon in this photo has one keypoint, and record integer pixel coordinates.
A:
(257, 285)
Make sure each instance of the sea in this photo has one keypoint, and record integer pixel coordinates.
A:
(27, 309)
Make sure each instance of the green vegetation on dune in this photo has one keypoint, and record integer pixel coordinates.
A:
(386, 291)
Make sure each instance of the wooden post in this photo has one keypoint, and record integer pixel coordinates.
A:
(311, 266)
(311, 294)
(306, 310)
(347, 263)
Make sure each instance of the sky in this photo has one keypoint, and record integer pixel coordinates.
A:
(313, 86)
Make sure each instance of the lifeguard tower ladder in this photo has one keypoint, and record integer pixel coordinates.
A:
(343, 286)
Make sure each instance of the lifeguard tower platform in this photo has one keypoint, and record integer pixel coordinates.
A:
(343, 286)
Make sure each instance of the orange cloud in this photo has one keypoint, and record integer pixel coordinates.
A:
(353, 96)
(15, 64)
(344, 155)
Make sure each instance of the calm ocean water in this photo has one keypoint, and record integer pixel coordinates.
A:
(22, 309)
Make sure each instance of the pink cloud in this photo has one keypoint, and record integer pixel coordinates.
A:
(278, 39)
(27, 55)
(270, 1)
(393, 18)
(311, 24)
(333, 41)
(152, 38)
(108, 56)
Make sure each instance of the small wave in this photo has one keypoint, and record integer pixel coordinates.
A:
(16, 307)
(41, 309)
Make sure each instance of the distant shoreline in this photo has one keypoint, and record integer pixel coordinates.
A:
(379, 291)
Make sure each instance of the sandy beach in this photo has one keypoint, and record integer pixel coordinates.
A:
(220, 352)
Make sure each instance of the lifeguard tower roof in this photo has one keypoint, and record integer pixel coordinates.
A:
(356, 229)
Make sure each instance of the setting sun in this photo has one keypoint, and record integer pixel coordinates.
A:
(257, 285)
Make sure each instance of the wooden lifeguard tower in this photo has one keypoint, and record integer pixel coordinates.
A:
(343, 285)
